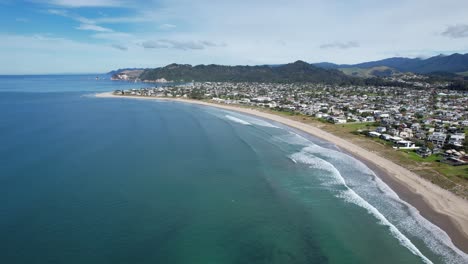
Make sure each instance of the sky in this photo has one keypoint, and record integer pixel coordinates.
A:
(95, 36)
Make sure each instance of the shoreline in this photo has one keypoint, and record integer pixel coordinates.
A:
(441, 207)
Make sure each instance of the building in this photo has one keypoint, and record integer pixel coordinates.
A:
(405, 144)
(457, 139)
(437, 138)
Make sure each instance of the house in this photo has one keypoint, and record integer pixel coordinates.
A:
(379, 114)
(406, 133)
(437, 138)
(416, 126)
(420, 135)
(393, 132)
(381, 129)
(339, 120)
(385, 137)
(395, 139)
(457, 139)
(424, 152)
(405, 144)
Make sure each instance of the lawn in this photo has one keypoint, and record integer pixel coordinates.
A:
(413, 156)
(453, 171)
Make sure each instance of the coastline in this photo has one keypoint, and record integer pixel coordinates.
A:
(441, 207)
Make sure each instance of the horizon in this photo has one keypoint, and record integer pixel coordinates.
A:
(78, 37)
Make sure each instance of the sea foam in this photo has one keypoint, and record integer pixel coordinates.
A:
(406, 217)
(250, 119)
(237, 120)
(362, 185)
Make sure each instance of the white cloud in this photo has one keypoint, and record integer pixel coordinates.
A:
(116, 36)
(93, 27)
(177, 44)
(65, 13)
(167, 26)
(340, 45)
(85, 3)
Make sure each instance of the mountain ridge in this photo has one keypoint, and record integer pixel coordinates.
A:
(453, 63)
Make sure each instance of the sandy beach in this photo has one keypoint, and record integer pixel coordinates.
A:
(439, 206)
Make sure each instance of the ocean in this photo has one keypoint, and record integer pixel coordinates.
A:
(115, 180)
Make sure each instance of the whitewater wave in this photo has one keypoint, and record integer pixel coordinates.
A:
(405, 216)
(251, 120)
(363, 188)
(237, 120)
(362, 185)
(352, 197)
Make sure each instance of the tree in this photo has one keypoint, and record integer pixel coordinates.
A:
(430, 145)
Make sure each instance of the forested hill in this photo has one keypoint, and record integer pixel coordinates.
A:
(298, 71)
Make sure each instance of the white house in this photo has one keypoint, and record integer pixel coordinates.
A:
(457, 139)
(405, 144)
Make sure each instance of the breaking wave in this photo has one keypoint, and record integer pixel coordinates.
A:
(352, 197)
(361, 185)
(251, 120)
(237, 120)
(355, 183)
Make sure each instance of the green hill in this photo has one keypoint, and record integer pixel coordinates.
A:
(380, 71)
(298, 71)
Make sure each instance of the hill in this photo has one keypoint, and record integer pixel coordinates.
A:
(380, 71)
(298, 71)
(452, 63)
(124, 69)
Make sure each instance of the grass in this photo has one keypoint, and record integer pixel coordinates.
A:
(453, 171)
(356, 126)
(415, 157)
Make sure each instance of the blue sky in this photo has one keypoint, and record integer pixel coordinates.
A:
(84, 36)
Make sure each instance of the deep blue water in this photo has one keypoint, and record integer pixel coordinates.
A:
(94, 180)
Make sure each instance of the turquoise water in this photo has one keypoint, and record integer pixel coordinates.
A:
(93, 180)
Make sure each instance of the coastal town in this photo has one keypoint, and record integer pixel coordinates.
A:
(428, 121)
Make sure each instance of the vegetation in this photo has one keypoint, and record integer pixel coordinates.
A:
(381, 71)
(297, 72)
(293, 72)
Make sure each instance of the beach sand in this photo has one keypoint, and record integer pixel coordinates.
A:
(441, 207)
